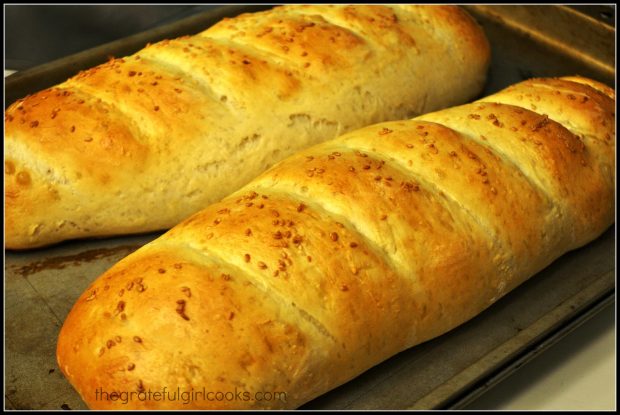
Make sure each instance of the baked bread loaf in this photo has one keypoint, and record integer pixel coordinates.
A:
(349, 252)
(140, 143)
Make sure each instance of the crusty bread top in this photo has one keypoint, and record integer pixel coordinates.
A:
(139, 143)
(344, 254)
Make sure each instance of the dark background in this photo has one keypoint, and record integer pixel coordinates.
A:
(38, 34)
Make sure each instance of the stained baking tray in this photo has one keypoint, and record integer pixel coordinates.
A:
(447, 372)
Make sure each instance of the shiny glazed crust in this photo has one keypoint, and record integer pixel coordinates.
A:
(350, 251)
(140, 143)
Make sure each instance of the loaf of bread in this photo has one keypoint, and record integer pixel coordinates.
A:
(347, 253)
(140, 143)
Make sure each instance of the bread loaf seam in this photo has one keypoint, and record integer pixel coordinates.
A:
(175, 69)
(328, 212)
(110, 105)
(426, 183)
(449, 203)
(251, 276)
(258, 53)
(505, 157)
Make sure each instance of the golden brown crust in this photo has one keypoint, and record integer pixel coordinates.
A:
(585, 144)
(349, 252)
(213, 305)
(185, 122)
(600, 87)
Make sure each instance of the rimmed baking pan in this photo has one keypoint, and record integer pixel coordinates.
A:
(447, 372)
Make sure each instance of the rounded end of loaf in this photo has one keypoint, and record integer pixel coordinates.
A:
(469, 50)
(471, 40)
(585, 109)
(61, 147)
(169, 330)
(70, 169)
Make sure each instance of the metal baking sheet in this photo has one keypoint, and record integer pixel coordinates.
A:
(447, 372)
